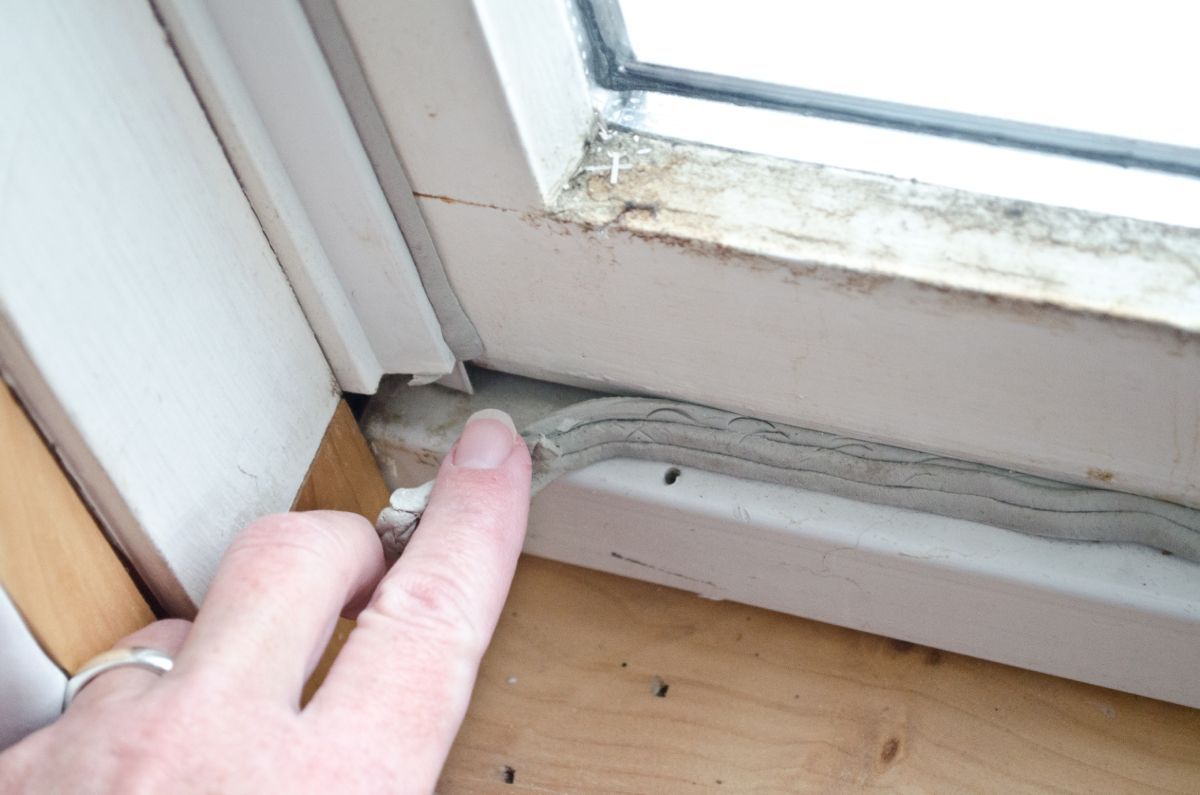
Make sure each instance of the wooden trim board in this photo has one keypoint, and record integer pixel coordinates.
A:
(55, 563)
(63, 575)
(343, 477)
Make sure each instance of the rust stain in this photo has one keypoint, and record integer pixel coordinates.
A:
(1101, 475)
(463, 202)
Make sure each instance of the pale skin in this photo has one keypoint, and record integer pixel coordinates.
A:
(228, 719)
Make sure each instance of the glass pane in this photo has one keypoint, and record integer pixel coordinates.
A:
(1117, 68)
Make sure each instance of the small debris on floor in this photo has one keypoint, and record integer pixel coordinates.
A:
(658, 687)
(510, 774)
(512, 680)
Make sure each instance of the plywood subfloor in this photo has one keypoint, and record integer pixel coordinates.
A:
(596, 683)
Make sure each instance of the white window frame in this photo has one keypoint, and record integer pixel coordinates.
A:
(1023, 357)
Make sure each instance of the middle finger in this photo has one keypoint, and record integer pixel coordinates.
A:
(275, 599)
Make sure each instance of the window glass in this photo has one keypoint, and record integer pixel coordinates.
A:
(1116, 68)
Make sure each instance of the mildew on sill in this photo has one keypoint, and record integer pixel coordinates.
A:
(861, 231)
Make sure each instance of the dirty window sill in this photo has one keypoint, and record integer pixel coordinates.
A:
(862, 230)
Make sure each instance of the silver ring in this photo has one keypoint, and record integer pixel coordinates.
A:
(137, 657)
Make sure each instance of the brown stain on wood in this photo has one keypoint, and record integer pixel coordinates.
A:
(1102, 475)
(462, 202)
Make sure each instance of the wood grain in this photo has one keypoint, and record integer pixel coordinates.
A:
(55, 562)
(764, 702)
(343, 477)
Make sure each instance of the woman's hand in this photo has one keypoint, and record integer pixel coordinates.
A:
(227, 717)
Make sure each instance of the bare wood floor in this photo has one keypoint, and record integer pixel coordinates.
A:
(596, 683)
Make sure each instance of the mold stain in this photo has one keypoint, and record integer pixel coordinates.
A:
(694, 198)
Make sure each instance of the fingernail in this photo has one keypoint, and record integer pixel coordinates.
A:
(486, 441)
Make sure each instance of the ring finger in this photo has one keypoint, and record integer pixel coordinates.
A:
(124, 683)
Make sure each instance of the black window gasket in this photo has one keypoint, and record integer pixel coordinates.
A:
(614, 66)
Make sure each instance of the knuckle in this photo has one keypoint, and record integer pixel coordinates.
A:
(168, 633)
(433, 606)
(285, 537)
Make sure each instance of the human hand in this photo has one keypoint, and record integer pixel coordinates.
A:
(227, 717)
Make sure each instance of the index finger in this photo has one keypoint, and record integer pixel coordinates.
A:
(405, 676)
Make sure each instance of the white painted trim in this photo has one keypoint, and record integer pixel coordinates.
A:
(1121, 617)
(545, 86)
(1068, 395)
(144, 319)
(272, 194)
(288, 80)
(327, 26)
(442, 72)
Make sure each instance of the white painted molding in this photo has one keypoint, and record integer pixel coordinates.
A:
(546, 87)
(272, 195)
(286, 76)
(1070, 396)
(443, 88)
(144, 319)
(457, 329)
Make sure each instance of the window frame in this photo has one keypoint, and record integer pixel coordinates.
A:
(488, 108)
